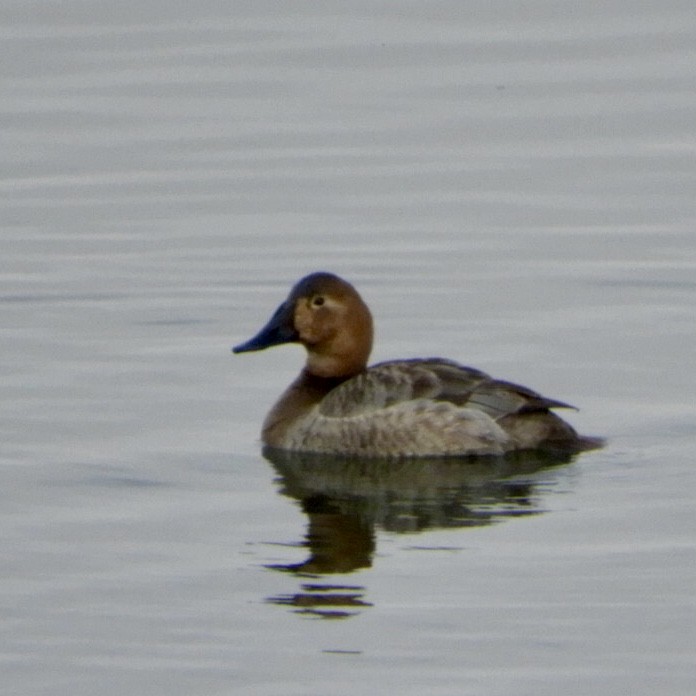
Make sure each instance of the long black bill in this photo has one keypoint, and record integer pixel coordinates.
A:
(277, 331)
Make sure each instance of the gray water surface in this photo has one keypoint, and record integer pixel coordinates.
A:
(510, 186)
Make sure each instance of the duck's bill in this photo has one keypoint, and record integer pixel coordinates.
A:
(277, 331)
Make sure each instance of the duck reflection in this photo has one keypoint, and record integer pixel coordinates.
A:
(347, 499)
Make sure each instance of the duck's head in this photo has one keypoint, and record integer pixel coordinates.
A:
(329, 318)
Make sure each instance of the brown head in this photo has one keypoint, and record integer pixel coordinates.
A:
(329, 318)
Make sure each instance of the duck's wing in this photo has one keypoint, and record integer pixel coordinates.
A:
(436, 380)
(431, 407)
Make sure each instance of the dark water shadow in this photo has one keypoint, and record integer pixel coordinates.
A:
(347, 499)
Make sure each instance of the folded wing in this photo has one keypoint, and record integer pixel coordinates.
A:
(438, 380)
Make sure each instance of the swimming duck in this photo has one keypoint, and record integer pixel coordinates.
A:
(401, 408)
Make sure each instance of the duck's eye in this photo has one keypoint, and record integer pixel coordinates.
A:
(318, 301)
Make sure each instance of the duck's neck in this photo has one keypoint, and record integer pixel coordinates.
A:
(336, 363)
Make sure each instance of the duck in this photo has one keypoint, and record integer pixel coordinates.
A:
(425, 407)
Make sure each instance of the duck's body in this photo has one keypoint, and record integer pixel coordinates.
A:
(427, 407)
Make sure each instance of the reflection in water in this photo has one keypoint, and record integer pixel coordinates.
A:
(325, 601)
(345, 499)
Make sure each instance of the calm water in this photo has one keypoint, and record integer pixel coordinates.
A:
(512, 187)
